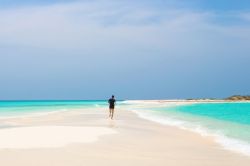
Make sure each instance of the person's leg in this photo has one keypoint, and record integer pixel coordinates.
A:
(112, 113)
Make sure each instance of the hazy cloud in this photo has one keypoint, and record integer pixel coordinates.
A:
(160, 47)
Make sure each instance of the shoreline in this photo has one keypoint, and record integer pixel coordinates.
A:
(230, 144)
(189, 101)
(136, 142)
(235, 145)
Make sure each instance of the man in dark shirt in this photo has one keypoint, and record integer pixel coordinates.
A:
(111, 106)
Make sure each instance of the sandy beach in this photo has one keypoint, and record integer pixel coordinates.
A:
(176, 72)
(87, 137)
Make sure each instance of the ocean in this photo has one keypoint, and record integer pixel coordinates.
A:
(10, 109)
(227, 122)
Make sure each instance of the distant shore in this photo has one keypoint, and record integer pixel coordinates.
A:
(235, 98)
(191, 100)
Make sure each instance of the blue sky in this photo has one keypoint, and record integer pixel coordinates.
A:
(61, 49)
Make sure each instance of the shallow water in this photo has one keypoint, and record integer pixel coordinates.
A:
(20, 108)
(228, 123)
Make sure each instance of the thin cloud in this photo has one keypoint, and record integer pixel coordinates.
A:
(69, 50)
(101, 24)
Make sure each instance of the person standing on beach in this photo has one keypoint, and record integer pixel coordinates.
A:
(111, 106)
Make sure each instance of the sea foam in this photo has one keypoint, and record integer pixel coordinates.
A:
(232, 144)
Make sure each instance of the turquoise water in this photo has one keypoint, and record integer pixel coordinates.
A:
(232, 112)
(231, 119)
(229, 123)
(16, 108)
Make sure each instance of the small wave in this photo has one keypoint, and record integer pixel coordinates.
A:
(227, 143)
(33, 114)
(97, 105)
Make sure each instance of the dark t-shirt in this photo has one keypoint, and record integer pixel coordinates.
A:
(111, 103)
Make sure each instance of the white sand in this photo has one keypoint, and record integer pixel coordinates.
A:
(49, 136)
(89, 140)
